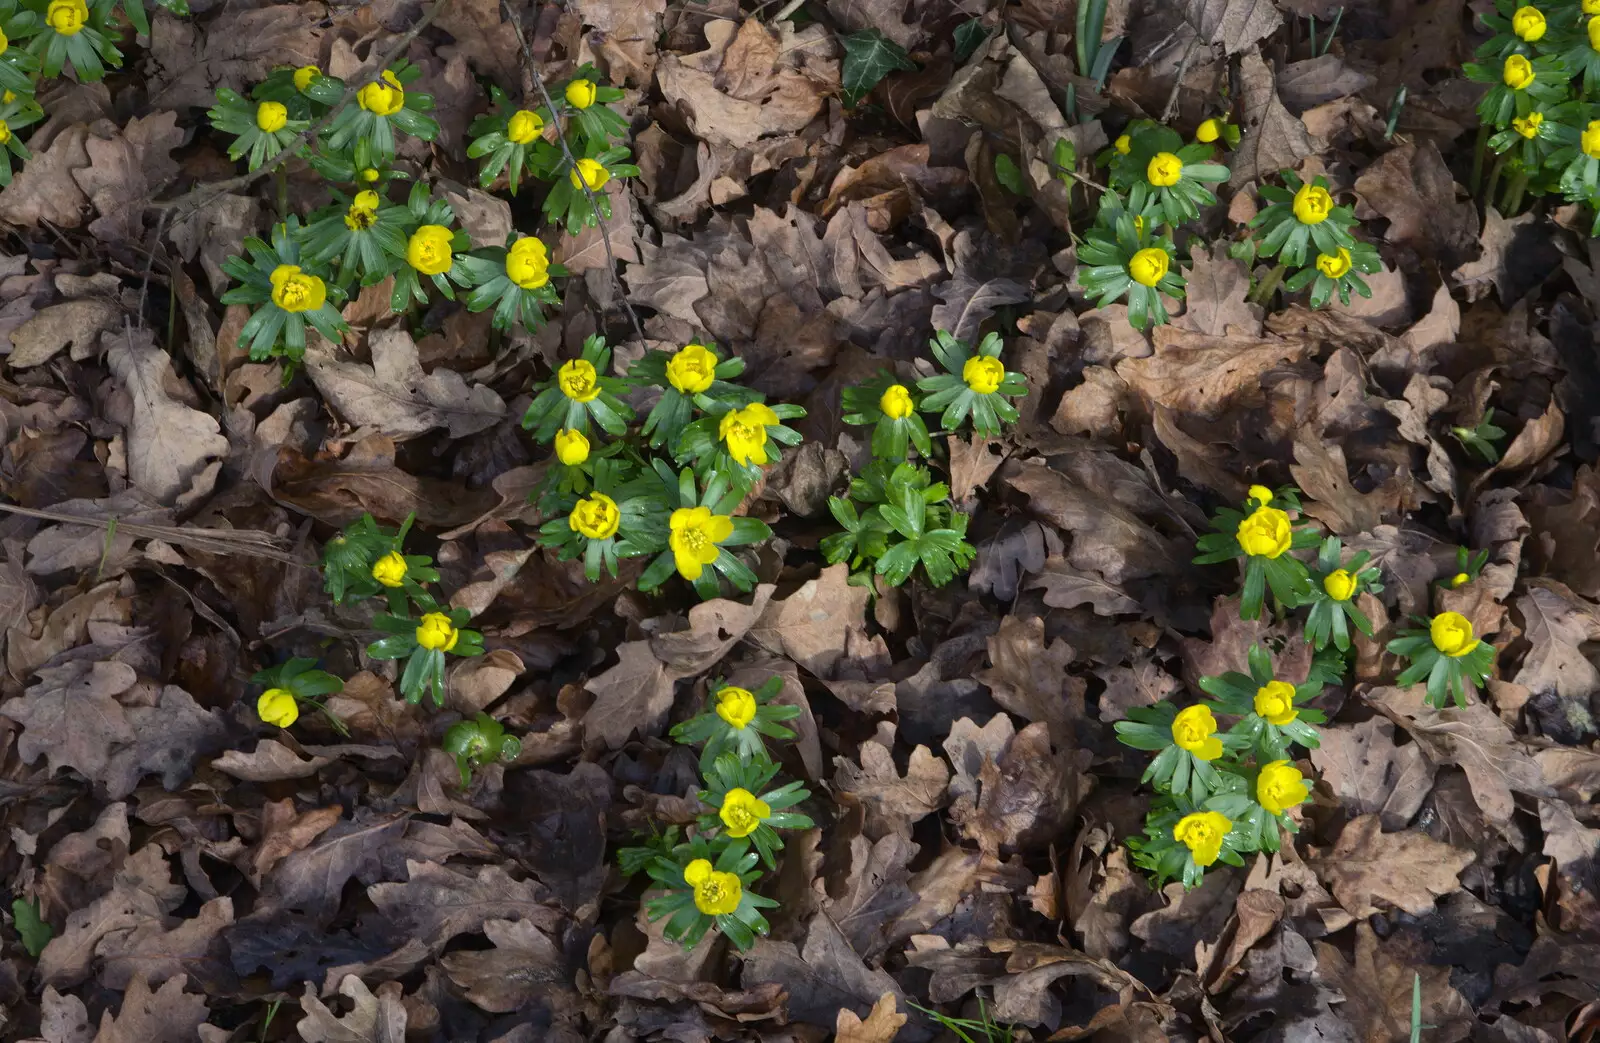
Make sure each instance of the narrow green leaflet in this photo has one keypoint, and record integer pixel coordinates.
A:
(35, 933)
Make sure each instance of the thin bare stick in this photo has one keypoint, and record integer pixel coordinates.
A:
(202, 196)
(218, 541)
(566, 150)
(1177, 84)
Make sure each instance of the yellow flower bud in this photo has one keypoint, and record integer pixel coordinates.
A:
(1528, 23)
(1339, 584)
(67, 17)
(437, 633)
(896, 402)
(1275, 702)
(1164, 170)
(384, 96)
(1194, 730)
(736, 706)
(528, 263)
(1149, 266)
(1451, 634)
(1124, 144)
(524, 126)
(1260, 494)
(1208, 131)
(1265, 533)
(983, 374)
(277, 706)
(305, 76)
(1336, 265)
(1517, 72)
(1202, 833)
(1589, 140)
(572, 448)
(1312, 204)
(1280, 786)
(581, 93)
(692, 368)
(589, 172)
(390, 570)
(271, 116)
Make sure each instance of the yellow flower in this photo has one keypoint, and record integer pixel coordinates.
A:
(1594, 33)
(1275, 702)
(1590, 6)
(528, 263)
(1280, 786)
(277, 706)
(1202, 834)
(1589, 141)
(524, 126)
(4, 43)
(983, 374)
(429, 250)
(1138, 224)
(1260, 494)
(5, 132)
(692, 368)
(1312, 204)
(271, 116)
(581, 93)
(1335, 266)
(305, 76)
(578, 381)
(695, 533)
(1164, 170)
(1194, 730)
(390, 570)
(1517, 72)
(1528, 126)
(1460, 579)
(896, 402)
(384, 96)
(742, 811)
(1451, 633)
(437, 632)
(1124, 144)
(715, 894)
(1265, 533)
(1528, 23)
(736, 706)
(370, 175)
(1208, 131)
(744, 431)
(572, 448)
(589, 172)
(363, 210)
(595, 516)
(1339, 584)
(67, 17)
(294, 290)
(1148, 266)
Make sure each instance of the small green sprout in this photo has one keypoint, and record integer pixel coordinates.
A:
(1481, 437)
(478, 741)
(735, 721)
(1334, 589)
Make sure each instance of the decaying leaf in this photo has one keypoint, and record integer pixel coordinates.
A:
(395, 397)
(1406, 870)
(171, 447)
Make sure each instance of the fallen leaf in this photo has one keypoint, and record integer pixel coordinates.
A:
(893, 801)
(1272, 138)
(285, 831)
(1412, 186)
(1234, 24)
(1378, 991)
(379, 1018)
(272, 761)
(435, 903)
(72, 718)
(155, 951)
(125, 171)
(1406, 870)
(1370, 774)
(1204, 375)
(170, 446)
(881, 1025)
(76, 324)
(169, 1013)
(43, 190)
(1316, 81)
(142, 893)
(310, 880)
(822, 978)
(394, 397)
(1215, 296)
(524, 964)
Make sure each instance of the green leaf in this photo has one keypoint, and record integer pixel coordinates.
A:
(1008, 174)
(969, 36)
(36, 934)
(869, 56)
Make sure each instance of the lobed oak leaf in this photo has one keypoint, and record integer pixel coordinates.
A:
(1405, 870)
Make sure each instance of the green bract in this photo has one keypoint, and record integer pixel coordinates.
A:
(14, 115)
(350, 566)
(735, 720)
(1126, 261)
(17, 64)
(1169, 176)
(1519, 86)
(908, 521)
(1531, 140)
(514, 280)
(1269, 711)
(586, 104)
(423, 644)
(367, 127)
(1335, 586)
(686, 923)
(737, 442)
(730, 774)
(975, 384)
(567, 204)
(687, 377)
(433, 250)
(620, 517)
(1507, 39)
(1334, 274)
(364, 233)
(260, 129)
(507, 140)
(720, 499)
(578, 391)
(1299, 217)
(75, 32)
(1448, 654)
(307, 685)
(286, 296)
(1262, 535)
(890, 408)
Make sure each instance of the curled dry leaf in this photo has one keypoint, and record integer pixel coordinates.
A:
(1405, 870)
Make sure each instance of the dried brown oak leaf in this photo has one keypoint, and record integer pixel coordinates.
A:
(159, 950)
(1378, 989)
(523, 965)
(624, 36)
(1012, 788)
(882, 1023)
(752, 90)
(142, 893)
(236, 49)
(72, 718)
(1320, 471)
(126, 169)
(77, 324)
(1405, 870)
(379, 1018)
(823, 977)
(1232, 24)
(436, 903)
(366, 480)
(1029, 677)
(285, 831)
(893, 801)
(1370, 774)
(168, 1015)
(1557, 623)
(173, 450)
(1215, 296)
(1272, 137)
(311, 879)
(393, 395)
(43, 191)
(1208, 376)
(1413, 188)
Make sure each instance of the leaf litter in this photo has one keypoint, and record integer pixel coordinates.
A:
(819, 193)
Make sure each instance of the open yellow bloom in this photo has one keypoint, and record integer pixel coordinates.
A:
(595, 516)
(1451, 634)
(429, 250)
(1208, 131)
(578, 381)
(1528, 126)
(363, 212)
(277, 706)
(1517, 72)
(1335, 266)
(390, 570)
(305, 76)
(1266, 533)
(581, 93)
(1275, 702)
(1149, 266)
(1312, 204)
(1593, 29)
(528, 263)
(1194, 730)
(436, 632)
(572, 447)
(715, 894)
(524, 126)
(5, 132)
(1589, 140)
(384, 96)
(742, 811)
(1280, 786)
(1164, 170)
(1528, 23)
(1260, 494)
(1202, 834)
(983, 374)
(294, 290)
(1124, 144)
(67, 17)
(589, 172)
(736, 706)
(692, 368)
(695, 533)
(744, 431)
(271, 116)
(896, 402)
(1339, 584)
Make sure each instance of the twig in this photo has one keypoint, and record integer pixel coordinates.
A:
(203, 195)
(217, 541)
(1177, 84)
(566, 150)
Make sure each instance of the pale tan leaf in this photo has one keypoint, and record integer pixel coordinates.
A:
(170, 445)
(1273, 138)
(1404, 870)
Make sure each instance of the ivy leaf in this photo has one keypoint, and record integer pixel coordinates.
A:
(869, 56)
(36, 934)
(969, 36)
